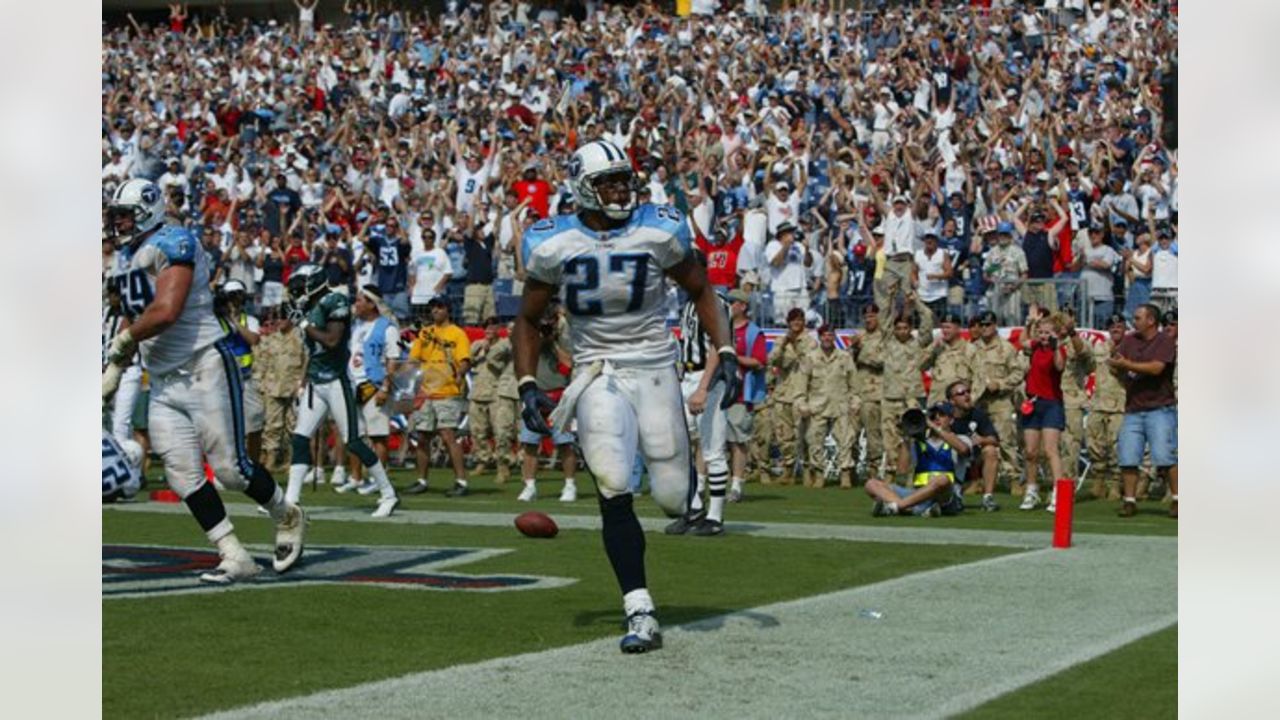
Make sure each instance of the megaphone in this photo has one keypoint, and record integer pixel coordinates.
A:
(913, 423)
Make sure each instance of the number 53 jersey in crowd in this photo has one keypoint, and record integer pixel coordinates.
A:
(612, 282)
(196, 328)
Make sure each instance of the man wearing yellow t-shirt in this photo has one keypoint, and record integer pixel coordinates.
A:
(443, 351)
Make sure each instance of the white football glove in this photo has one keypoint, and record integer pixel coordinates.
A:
(111, 380)
(121, 349)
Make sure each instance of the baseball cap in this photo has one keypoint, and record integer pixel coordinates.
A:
(1005, 228)
(1042, 176)
(953, 318)
(987, 317)
(1095, 225)
(736, 295)
(900, 198)
(233, 286)
(437, 302)
(1114, 318)
(940, 408)
(784, 185)
(870, 308)
(785, 226)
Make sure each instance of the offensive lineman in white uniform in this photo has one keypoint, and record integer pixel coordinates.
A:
(609, 259)
(196, 401)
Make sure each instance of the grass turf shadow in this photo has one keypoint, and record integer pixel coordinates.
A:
(694, 618)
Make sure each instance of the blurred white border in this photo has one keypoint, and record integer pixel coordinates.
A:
(50, 521)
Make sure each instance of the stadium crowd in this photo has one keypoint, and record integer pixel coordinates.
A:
(846, 165)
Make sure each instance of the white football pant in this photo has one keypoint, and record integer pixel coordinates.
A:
(197, 413)
(630, 408)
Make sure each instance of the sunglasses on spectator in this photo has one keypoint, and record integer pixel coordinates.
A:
(960, 393)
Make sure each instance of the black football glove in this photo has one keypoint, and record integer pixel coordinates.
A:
(727, 372)
(536, 405)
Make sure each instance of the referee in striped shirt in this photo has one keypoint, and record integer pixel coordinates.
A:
(706, 422)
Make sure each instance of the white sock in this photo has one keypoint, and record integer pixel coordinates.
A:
(715, 506)
(297, 476)
(276, 507)
(339, 474)
(986, 496)
(1131, 499)
(637, 600)
(460, 481)
(1033, 488)
(1174, 497)
(737, 484)
(892, 508)
(422, 481)
(218, 532)
(702, 483)
(229, 546)
(530, 481)
(570, 483)
(696, 504)
(380, 479)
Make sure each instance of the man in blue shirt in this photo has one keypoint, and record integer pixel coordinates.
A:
(390, 249)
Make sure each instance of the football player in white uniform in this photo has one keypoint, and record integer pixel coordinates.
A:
(609, 259)
(196, 405)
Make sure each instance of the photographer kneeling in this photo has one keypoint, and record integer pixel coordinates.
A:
(935, 456)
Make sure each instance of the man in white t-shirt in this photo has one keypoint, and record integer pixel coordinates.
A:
(1164, 271)
(899, 250)
(429, 274)
(789, 263)
(933, 271)
(782, 206)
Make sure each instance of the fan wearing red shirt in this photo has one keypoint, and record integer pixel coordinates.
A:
(722, 257)
(1043, 415)
(537, 190)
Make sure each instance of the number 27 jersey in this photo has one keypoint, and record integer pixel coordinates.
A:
(612, 282)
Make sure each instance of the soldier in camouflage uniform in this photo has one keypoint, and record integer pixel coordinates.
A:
(1003, 370)
(493, 400)
(506, 409)
(903, 388)
(952, 358)
(280, 362)
(324, 317)
(759, 453)
(828, 399)
(868, 355)
(1080, 364)
(1106, 415)
(787, 356)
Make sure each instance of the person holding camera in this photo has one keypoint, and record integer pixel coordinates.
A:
(552, 377)
(1043, 413)
(444, 351)
(935, 456)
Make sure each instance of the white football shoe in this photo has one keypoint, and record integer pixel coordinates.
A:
(386, 506)
(231, 570)
(289, 535)
(643, 634)
(529, 493)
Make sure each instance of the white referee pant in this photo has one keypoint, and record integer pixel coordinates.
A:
(629, 408)
(710, 427)
(122, 406)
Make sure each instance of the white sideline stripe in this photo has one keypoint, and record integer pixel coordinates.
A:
(940, 649)
(927, 532)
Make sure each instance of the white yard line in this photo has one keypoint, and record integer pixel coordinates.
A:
(949, 640)
(925, 532)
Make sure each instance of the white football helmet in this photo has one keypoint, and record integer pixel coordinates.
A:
(140, 200)
(593, 161)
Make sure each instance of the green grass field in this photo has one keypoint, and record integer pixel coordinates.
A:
(253, 645)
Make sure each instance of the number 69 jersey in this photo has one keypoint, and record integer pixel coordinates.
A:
(197, 327)
(612, 282)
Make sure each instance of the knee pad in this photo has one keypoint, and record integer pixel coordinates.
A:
(301, 450)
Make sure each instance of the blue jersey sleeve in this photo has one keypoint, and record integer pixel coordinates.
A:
(177, 245)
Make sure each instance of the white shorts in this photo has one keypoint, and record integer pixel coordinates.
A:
(197, 412)
(334, 397)
(628, 409)
(377, 421)
(710, 427)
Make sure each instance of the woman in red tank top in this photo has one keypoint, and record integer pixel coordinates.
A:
(1043, 415)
